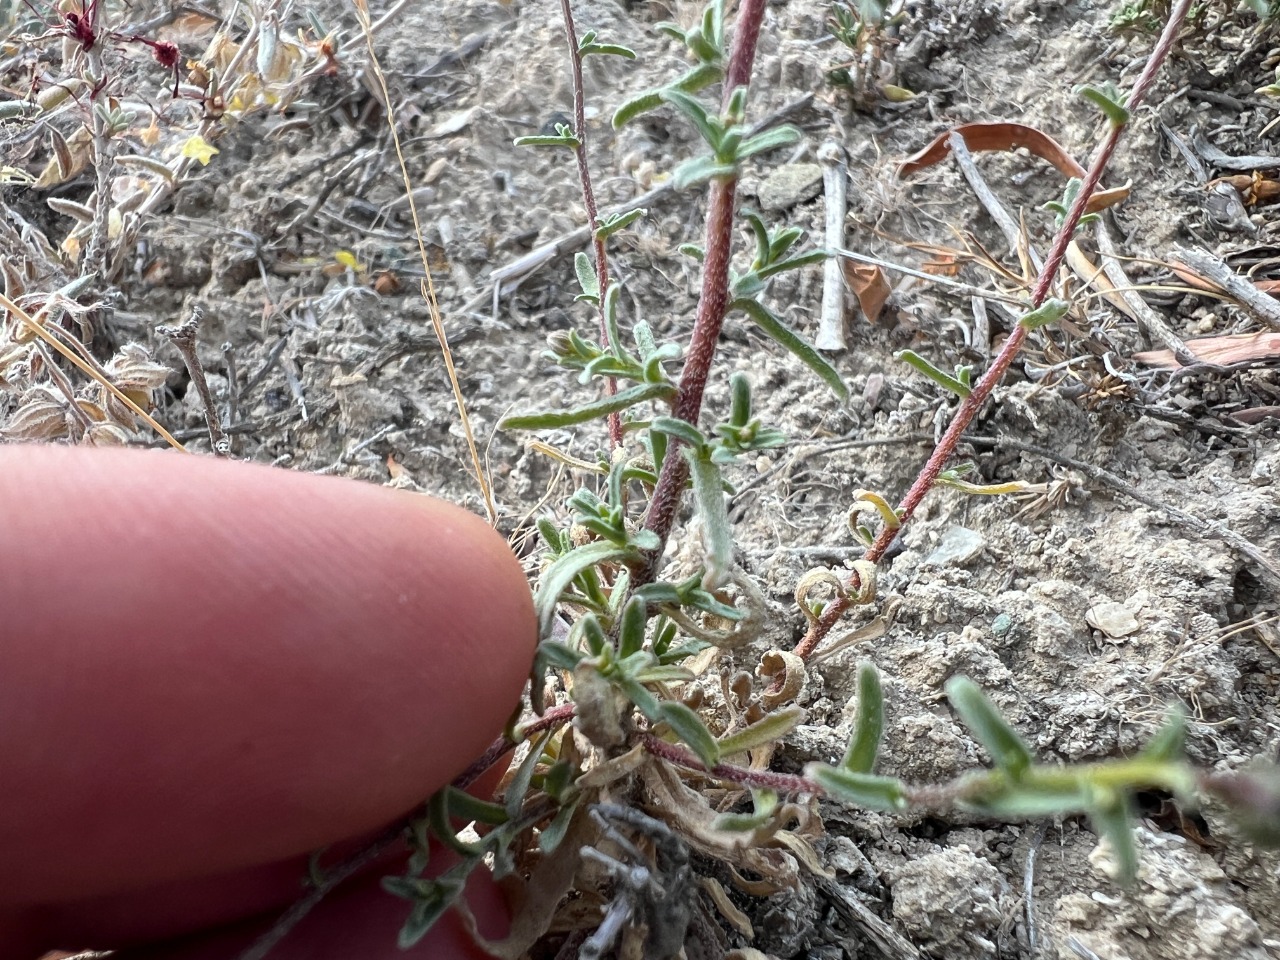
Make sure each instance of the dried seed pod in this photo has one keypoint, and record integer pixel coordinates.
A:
(38, 420)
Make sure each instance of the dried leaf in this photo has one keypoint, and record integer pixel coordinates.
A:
(1232, 348)
(533, 903)
(71, 156)
(785, 673)
(737, 919)
(869, 285)
(980, 137)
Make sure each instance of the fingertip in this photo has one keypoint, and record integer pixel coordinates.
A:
(233, 664)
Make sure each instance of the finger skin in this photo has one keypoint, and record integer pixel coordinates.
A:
(208, 666)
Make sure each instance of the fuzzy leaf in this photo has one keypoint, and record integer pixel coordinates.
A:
(558, 577)
(941, 378)
(595, 410)
(775, 328)
(861, 789)
(979, 714)
(688, 726)
(717, 533)
(769, 729)
(611, 225)
(868, 727)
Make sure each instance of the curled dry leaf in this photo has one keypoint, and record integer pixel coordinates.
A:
(819, 576)
(687, 813)
(1224, 350)
(869, 284)
(785, 672)
(980, 137)
(736, 918)
(534, 902)
(1254, 188)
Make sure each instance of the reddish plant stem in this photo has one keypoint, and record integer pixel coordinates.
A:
(503, 745)
(783, 782)
(589, 198)
(713, 303)
(982, 389)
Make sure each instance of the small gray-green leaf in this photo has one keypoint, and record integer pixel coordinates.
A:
(717, 532)
(688, 726)
(868, 728)
(558, 577)
(595, 410)
(979, 714)
(769, 729)
(793, 342)
(861, 789)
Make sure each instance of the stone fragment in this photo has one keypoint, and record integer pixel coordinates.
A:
(959, 545)
(788, 185)
(1114, 619)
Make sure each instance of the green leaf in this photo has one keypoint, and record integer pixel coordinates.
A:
(717, 533)
(587, 279)
(518, 786)
(663, 673)
(1110, 102)
(868, 727)
(640, 696)
(596, 410)
(558, 577)
(587, 47)
(438, 813)
(1112, 818)
(763, 803)
(861, 789)
(1007, 749)
(688, 726)
(771, 139)
(993, 793)
(630, 109)
(1051, 311)
(942, 379)
(740, 404)
(775, 328)
(631, 626)
(431, 898)
(611, 225)
(761, 234)
(795, 263)
(551, 835)
(771, 728)
(464, 806)
(706, 123)
(699, 170)
(681, 429)
(563, 137)
(1169, 743)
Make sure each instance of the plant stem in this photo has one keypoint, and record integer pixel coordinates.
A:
(589, 198)
(713, 303)
(983, 388)
(783, 782)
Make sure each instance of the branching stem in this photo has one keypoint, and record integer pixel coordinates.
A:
(982, 389)
(589, 199)
(713, 303)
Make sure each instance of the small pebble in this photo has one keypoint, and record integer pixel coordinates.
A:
(959, 545)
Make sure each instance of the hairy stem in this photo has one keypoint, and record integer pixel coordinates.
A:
(982, 389)
(589, 198)
(713, 302)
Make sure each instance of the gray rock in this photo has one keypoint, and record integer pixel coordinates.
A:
(959, 545)
(789, 185)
